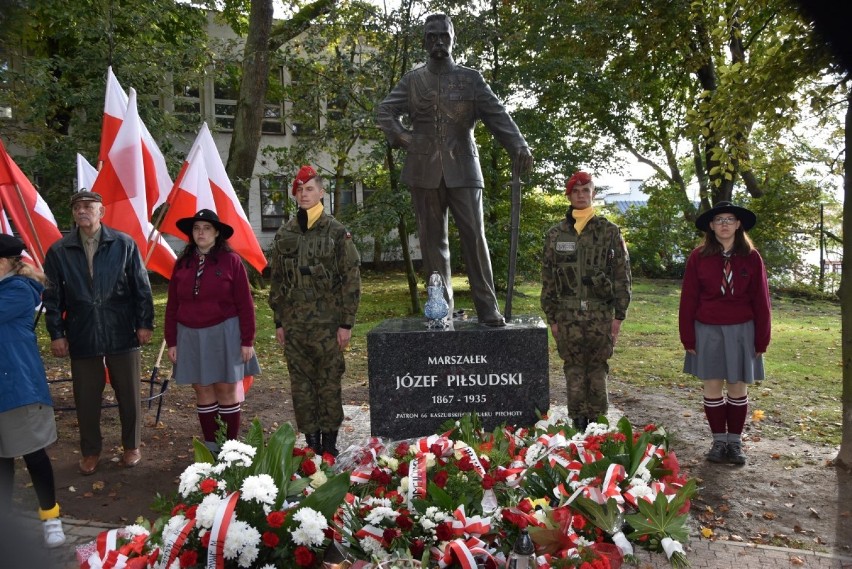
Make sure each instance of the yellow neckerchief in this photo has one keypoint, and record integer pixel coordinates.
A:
(314, 214)
(582, 217)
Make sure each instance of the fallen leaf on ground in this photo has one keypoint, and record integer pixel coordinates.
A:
(796, 560)
(99, 485)
(707, 533)
(768, 516)
(758, 415)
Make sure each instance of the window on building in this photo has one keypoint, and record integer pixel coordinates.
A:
(273, 111)
(305, 109)
(346, 196)
(226, 91)
(275, 203)
(187, 104)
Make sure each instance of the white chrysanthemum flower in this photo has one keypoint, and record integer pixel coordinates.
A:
(643, 473)
(430, 459)
(583, 542)
(260, 488)
(534, 454)
(311, 526)
(219, 468)
(235, 453)
(379, 514)
(318, 478)
(375, 501)
(206, 511)
(600, 429)
(641, 490)
(373, 547)
(192, 476)
(135, 529)
(241, 540)
(403, 485)
(173, 527)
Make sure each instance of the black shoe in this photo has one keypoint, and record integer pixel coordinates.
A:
(718, 452)
(580, 424)
(314, 442)
(329, 443)
(736, 454)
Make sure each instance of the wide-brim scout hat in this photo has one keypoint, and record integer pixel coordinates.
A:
(305, 174)
(210, 217)
(746, 217)
(10, 246)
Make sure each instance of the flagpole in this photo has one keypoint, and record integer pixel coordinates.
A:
(32, 226)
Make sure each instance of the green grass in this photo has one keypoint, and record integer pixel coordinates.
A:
(801, 394)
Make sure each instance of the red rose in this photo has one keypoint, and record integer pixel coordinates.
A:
(405, 522)
(190, 512)
(440, 478)
(304, 557)
(486, 464)
(444, 532)
(402, 469)
(465, 463)
(208, 485)
(488, 482)
(436, 449)
(525, 506)
(380, 476)
(188, 558)
(298, 451)
(269, 539)
(401, 450)
(276, 519)
(578, 521)
(308, 467)
(417, 547)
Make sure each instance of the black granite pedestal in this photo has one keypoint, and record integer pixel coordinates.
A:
(420, 378)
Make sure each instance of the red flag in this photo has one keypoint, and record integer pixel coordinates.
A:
(121, 182)
(204, 184)
(158, 183)
(29, 212)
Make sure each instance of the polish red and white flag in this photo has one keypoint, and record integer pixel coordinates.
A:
(203, 184)
(29, 212)
(122, 183)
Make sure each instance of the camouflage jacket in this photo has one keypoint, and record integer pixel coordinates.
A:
(315, 276)
(590, 271)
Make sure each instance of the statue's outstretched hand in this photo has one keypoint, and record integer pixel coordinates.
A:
(524, 158)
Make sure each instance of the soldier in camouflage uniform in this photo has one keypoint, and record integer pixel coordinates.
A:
(314, 295)
(586, 287)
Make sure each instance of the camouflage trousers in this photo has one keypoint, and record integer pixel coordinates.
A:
(316, 367)
(584, 342)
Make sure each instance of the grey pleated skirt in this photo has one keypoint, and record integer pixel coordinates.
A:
(725, 352)
(211, 355)
(26, 429)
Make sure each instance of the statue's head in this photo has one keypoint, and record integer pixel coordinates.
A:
(438, 36)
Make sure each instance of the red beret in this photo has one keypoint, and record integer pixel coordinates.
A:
(305, 173)
(581, 178)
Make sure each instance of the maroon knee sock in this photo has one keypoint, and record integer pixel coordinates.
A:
(207, 417)
(715, 410)
(231, 416)
(737, 412)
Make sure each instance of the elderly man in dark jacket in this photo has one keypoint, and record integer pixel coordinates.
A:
(99, 309)
(443, 101)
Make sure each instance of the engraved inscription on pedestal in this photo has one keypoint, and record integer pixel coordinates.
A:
(419, 378)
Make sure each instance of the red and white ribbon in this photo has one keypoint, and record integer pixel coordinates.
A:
(175, 542)
(221, 522)
(417, 479)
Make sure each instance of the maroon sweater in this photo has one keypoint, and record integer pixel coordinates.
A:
(223, 294)
(701, 297)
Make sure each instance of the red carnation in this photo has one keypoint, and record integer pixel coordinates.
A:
(308, 467)
(178, 509)
(297, 451)
(486, 464)
(276, 519)
(402, 469)
(417, 547)
(380, 476)
(440, 479)
(188, 558)
(578, 521)
(208, 485)
(205, 540)
(390, 534)
(405, 522)
(304, 557)
(269, 539)
(465, 463)
(190, 512)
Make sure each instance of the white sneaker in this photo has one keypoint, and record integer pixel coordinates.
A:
(53, 534)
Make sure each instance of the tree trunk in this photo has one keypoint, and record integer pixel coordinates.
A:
(844, 457)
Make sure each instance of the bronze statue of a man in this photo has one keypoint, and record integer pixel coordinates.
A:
(443, 101)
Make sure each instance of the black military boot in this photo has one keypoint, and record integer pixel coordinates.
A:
(580, 424)
(329, 443)
(314, 442)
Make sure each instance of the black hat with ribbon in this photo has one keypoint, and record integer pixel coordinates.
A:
(746, 217)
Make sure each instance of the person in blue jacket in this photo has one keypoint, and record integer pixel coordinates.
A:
(27, 424)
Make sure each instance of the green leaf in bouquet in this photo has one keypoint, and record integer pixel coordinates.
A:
(202, 453)
(660, 518)
(441, 498)
(327, 498)
(276, 459)
(254, 437)
(607, 517)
